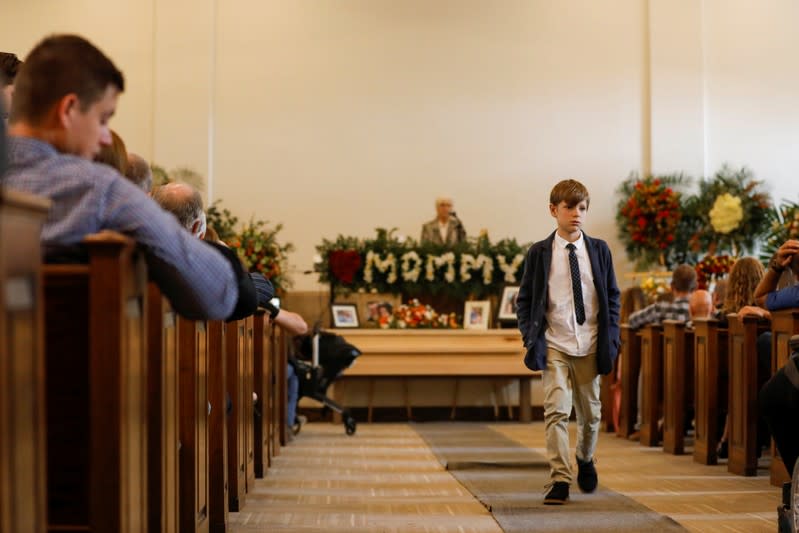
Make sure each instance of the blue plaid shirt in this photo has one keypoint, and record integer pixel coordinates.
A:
(89, 197)
(660, 311)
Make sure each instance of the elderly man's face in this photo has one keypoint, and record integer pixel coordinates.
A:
(443, 209)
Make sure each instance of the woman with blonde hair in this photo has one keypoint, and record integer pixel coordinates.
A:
(744, 278)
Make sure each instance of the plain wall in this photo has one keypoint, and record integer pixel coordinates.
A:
(339, 117)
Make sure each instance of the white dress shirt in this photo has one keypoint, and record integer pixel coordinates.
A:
(563, 332)
(442, 230)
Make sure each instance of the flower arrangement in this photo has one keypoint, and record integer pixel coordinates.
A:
(783, 225)
(711, 268)
(393, 265)
(417, 315)
(259, 249)
(648, 217)
(256, 243)
(732, 211)
(654, 288)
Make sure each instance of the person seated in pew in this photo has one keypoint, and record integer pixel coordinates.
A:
(683, 283)
(778, 401)
(9, 66)
(139, 173)
(292, 323)
(768, 297)
(65, 94)
(700, 305)
(746, 274)
(186, 204)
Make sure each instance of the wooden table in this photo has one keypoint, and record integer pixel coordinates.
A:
(434, 353)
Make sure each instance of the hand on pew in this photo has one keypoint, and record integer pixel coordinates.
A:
(753, 310)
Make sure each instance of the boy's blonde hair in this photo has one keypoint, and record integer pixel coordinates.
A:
(570, 191)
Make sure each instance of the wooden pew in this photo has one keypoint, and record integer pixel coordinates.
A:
(651, 382)
(279, 355)
(711, 387)
(194, 407)
(163, 413)
(97, 389)
(217, 428)
(678, 390)
(23, 489)
(630, 361)
(239, 378)
(743, 333)
(784, 324)
(262, 346)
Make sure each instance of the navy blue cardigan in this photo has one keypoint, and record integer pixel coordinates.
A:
(532, 303)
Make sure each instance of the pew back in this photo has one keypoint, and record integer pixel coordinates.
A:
(23, 494)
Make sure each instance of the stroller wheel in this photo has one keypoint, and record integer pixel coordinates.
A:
(350, 425)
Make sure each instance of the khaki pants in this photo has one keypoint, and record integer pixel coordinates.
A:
(568, 381)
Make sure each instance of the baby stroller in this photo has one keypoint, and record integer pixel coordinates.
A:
(320, 359)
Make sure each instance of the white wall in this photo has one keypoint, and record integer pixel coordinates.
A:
(337, 117)
(752, 89)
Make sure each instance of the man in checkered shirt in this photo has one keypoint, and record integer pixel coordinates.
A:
(683, 283)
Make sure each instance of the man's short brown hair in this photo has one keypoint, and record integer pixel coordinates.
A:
(683, 279)
(570, 191)
(58, 66)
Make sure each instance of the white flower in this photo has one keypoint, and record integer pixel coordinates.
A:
(510, 270)
(436, 262)
(481, 262)
(467, 264)
(317, 259)
(411, 273)
(388, 264)
(727, 213)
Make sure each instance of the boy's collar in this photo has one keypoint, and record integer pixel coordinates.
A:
(561, 242)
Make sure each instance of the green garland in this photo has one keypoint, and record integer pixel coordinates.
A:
(353, 264)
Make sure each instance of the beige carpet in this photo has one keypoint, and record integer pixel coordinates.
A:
(509, 479)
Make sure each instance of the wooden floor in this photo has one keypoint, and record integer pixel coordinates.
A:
(385, 479)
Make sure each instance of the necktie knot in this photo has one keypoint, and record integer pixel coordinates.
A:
(571, 246)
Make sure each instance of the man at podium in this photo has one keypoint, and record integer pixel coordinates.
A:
(446, 228)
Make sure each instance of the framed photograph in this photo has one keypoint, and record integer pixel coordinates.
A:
(507, 303)
(377, 309)
(476, 314)
(344, 315)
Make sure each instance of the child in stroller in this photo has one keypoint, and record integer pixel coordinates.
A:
(319, 359)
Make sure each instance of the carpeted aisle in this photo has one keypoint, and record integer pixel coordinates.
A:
(509, 479)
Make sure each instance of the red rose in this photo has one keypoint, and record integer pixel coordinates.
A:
(344, 264)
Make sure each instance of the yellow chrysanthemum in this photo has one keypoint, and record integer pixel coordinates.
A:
(727, 213)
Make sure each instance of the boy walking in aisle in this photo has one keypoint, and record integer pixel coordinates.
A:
(568, 310)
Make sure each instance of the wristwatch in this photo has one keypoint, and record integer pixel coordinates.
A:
(273, 310)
